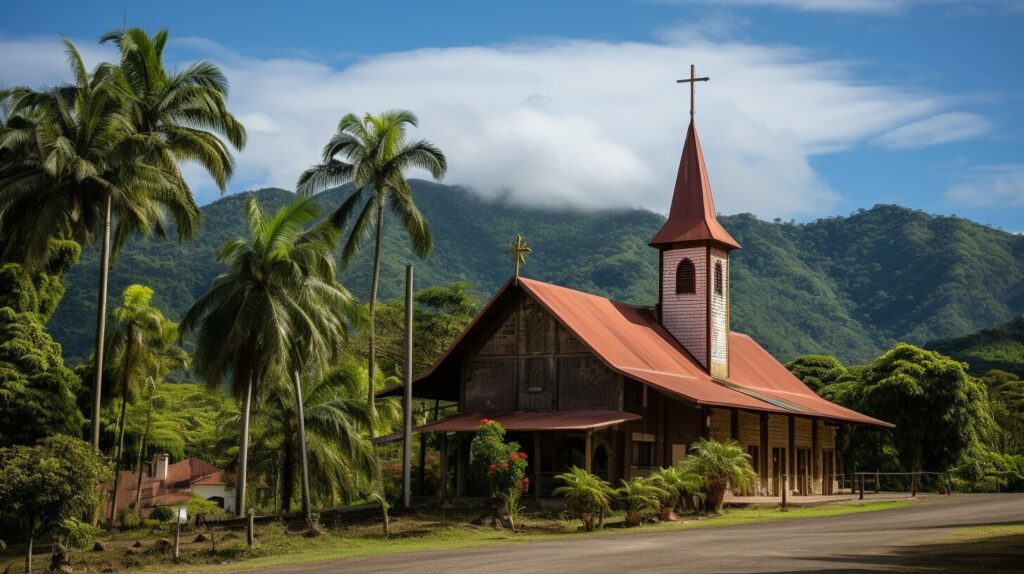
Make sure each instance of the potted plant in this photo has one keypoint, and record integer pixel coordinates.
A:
(676, 484)
(719, 465)
(641, 498)
(587, 496)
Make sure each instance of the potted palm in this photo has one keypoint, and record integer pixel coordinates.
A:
(587, 496)
(641, 498)
(676, 484)
(719, 465)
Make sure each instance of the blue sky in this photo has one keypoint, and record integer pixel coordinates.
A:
(814, 108)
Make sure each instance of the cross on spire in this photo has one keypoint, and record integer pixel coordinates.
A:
(518, 251)
(692, 80)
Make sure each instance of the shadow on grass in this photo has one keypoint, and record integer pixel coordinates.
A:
(1001, 553)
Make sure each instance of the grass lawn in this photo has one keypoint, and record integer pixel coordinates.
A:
(276, 545)
(979, 549)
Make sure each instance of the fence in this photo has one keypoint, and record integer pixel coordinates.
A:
(910, 481)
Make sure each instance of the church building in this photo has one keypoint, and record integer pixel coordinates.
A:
(619, 389)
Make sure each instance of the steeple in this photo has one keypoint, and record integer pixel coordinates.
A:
(693, 252)
(692, 215)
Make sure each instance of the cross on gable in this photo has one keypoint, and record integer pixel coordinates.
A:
(692, 80)
(518, 251)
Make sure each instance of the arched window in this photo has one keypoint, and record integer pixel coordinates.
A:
(718, 278)
(686, 278)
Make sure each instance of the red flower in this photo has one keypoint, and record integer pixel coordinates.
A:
(492, 468)
(484, 421)
(504, 465)
(526, 480)
(522, 455)
(513, 456)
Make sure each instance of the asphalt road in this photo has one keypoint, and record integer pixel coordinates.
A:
(920, 537)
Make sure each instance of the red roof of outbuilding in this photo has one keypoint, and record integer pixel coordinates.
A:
(692, 216)
(631, 341)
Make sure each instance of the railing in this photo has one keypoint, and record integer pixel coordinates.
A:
(942, 481)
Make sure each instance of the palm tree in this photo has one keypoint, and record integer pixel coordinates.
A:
(270, 313)
(720, 464)
(166, 356)
(641, 498)
(83, 158)
(372, 152)
(131, 346)
(588, 496)
(338, 423)
(675, 484)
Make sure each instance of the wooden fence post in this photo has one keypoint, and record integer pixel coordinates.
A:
(913, 484)
(250, 528)
(785, 484)
(862, 486)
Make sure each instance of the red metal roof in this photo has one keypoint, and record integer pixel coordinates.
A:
(692, 216)
(524, 421)
(631, 341)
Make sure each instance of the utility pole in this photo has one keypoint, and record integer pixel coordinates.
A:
(407, 395)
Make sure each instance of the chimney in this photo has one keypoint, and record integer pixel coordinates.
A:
(160, 463)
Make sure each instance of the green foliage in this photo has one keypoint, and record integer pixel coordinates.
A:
(37, 392)
(640, 498)
(41, 486)
(720, 465)
(78, 534)
(675, 483)
(998, 348)
(161, 513)
(797, 289)
(1006, 401)
(501, 464)
(199, 506)
(128, 518)
(818, 371)
(588, 497)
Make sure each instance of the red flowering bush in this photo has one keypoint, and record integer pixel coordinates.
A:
(503, 466)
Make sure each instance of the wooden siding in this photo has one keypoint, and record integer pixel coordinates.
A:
(685, 315)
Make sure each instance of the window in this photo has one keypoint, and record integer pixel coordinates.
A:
(718, 278)
(643, 454)
(686, 278)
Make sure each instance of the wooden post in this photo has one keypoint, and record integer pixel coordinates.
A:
(791, 452)
(913, 484)
(734, 424)
(443, 451)
(250, 531)
(785, 480)
(815, 458)
(878, 478)
(460, 465)
(764, 454)
(177, 534)
(407, 403)
(590, 451)
(862, 486)
(536, 464)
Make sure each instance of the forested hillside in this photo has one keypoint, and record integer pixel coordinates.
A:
(845, 286)
(999, 347)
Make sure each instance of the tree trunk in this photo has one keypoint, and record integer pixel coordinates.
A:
(142, 446)
(101, 323)
(28, 554)
(177, 534)
(288, 477)
(374, 281)
(307, 511)
(119, 452)
(243, 452)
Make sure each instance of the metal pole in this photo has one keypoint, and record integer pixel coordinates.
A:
(407, 395)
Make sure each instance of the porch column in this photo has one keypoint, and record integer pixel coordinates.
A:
(764, 454)
(443, 451)
(590, 451)
(460, 466)
(815, 457)
(536, 464)
(791, 454)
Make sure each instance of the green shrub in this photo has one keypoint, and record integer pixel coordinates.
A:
(128, 518)
(720, 465)
(78, 534)
(641, 497)
(161, 513)
(588, 497)
(504, 468)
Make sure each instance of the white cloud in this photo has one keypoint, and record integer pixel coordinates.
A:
(582, 123)
(990, 186)
(867, 6)
(934, 130)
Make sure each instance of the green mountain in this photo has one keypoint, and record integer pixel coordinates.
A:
(1000, 348)
(847, 286)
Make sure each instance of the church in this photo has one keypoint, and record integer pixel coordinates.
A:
(619, 389)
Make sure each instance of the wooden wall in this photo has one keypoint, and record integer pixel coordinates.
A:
(530, 362)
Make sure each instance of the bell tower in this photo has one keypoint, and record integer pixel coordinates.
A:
(693, 250)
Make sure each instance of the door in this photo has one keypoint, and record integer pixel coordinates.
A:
(778, 462)
(827, 471)
(803, 471)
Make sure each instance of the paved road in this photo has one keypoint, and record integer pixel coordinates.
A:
(892, 540)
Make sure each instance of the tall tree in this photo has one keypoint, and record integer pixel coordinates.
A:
(135, 344)
(80, 163)
(372, 152)
(276, 302)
